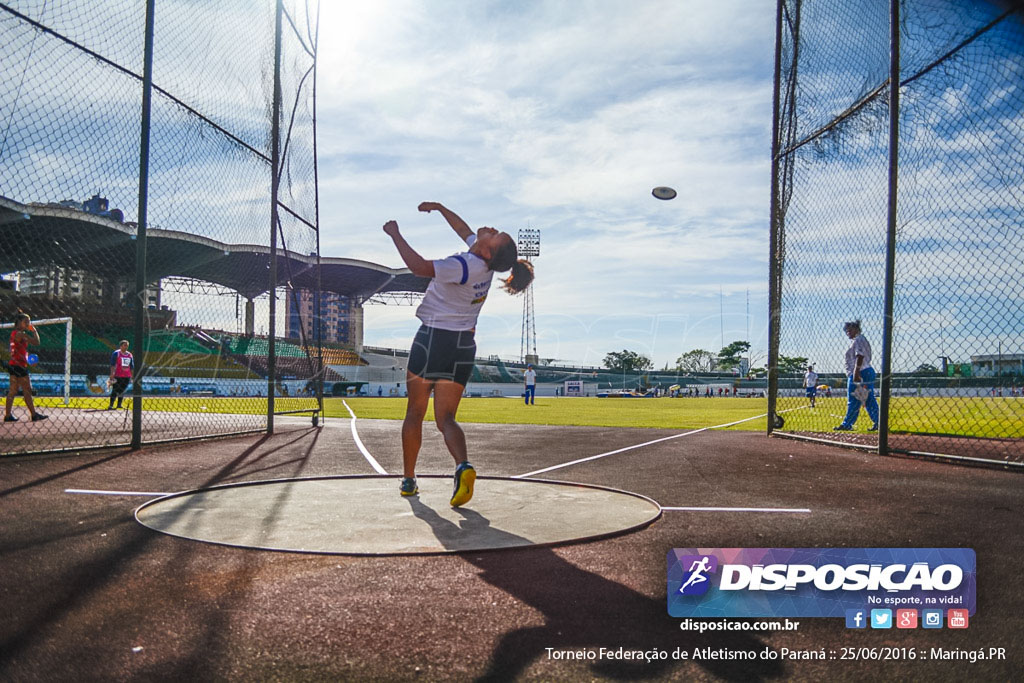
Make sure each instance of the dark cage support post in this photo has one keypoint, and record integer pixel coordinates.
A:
(275, 182)
(885, 367)
(320, 370)
(774, 259)
(140, 240)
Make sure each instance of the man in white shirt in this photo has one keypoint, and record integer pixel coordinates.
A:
(860, 379)
(811, 384)
(530, 381)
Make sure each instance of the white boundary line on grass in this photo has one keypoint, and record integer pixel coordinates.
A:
(646, 443)
(359, 443)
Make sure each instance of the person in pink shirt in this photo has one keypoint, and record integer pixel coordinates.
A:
(122, 365)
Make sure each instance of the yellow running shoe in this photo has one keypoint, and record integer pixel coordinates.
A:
(409, 487)
(465, 475)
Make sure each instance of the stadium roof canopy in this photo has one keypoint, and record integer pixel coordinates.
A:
(35, 236)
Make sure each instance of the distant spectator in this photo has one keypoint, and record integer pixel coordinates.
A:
(860, 379)
(530, 382)
(122, 366)
(811, 384)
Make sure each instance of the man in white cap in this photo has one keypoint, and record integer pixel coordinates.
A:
(811, 383)
(530, 380)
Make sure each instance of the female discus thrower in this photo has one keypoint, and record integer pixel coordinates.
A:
(443, 352)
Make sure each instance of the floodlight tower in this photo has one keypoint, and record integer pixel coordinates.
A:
(528, 246)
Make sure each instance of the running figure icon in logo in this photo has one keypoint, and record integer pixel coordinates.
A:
(696, 582)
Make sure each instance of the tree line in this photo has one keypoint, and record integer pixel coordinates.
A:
(700, 360)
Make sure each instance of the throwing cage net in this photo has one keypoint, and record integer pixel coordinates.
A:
(197, 121)
(902, 208)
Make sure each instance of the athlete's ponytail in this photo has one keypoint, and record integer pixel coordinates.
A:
(503, 259)
(521, 277)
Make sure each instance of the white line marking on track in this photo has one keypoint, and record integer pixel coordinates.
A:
(359, 443)
(605, 455)
(118, 493)
(641, 445)
(698, 509)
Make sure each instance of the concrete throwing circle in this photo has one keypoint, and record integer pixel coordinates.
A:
(365, 515)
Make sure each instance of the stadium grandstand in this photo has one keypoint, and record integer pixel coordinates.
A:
(384, 373)
(176, 359)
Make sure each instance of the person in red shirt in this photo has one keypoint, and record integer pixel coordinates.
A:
(22, 335)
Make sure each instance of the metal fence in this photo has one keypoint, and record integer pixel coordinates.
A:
(158, 185)
(898, 200)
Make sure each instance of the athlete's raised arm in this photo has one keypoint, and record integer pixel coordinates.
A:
(458, 225)
(416, 263)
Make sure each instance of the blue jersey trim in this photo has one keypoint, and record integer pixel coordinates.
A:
(465, 269)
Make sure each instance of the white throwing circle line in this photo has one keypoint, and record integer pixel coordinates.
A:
(359, 442)
(95, 492)
(713, 509)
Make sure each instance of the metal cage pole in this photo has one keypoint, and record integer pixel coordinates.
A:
(140, 241)
(320, 370)
(67, 362)
(275, 160)
(885, 389)
(774, 258)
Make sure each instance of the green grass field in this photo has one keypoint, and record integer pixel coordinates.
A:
(960, 416)
(187, 404)
(976, 417)
(597, 412)
(661, 413)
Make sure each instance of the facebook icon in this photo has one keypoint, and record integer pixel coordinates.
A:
(856, 618)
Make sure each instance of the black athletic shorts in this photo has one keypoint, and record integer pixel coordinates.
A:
(120, 384)
(443, 354)
(17, 371)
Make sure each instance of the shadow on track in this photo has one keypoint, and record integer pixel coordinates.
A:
(74, 594)
(584, 610)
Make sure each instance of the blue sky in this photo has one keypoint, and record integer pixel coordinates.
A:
(560, 116)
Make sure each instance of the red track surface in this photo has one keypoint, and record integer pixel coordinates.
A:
(88, 593)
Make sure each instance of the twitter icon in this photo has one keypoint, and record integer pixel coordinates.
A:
(881, 618)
